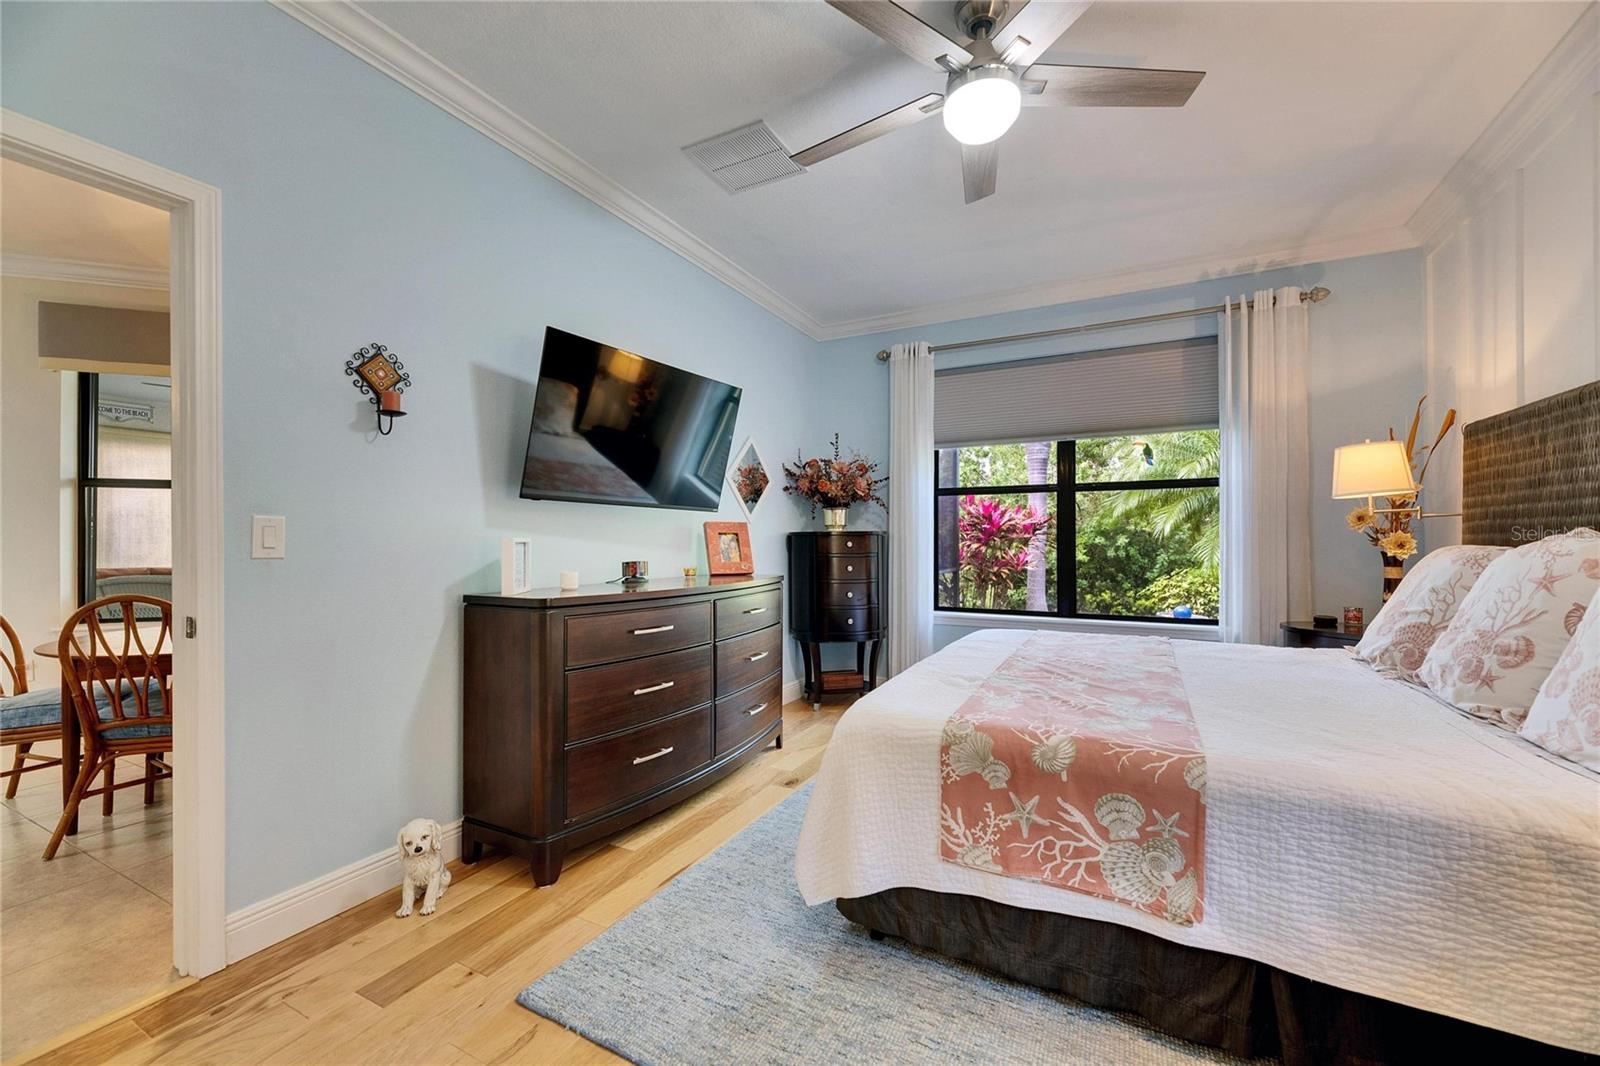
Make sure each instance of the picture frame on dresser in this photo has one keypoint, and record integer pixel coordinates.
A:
(728, 548)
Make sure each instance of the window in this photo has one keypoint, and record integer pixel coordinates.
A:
(1123, 527)
(124, 487)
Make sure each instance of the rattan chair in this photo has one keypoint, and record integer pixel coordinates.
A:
(26, 718)
(122, 694)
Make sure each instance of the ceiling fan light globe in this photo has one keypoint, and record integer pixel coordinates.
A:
(982, 105)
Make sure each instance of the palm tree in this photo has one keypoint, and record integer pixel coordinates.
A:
(1193, 514)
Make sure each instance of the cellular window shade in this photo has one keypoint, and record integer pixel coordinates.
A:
(1149, 388)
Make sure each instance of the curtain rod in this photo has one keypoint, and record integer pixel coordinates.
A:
(1316, 296)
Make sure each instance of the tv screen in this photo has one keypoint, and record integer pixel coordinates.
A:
(610, 426)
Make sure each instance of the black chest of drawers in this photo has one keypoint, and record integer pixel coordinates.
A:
(838, 593)
(587, 711)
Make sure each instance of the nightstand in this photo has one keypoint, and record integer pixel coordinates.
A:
(1306, 635)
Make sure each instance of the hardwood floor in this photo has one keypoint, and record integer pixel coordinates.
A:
(367, 987)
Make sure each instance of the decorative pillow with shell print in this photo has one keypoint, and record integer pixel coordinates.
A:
(1422, 608)
(1513, 626)
(1565, 718)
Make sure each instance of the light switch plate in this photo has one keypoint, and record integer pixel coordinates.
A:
(267, 536)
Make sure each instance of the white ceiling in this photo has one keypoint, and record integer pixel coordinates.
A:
(49, 217)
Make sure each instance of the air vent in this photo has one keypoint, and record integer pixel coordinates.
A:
(744, 158)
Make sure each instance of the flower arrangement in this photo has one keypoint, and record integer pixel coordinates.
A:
(750, 481)
(1390, 530)
(992, 542)
(834, 483)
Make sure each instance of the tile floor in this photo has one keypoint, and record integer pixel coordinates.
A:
(91, 930)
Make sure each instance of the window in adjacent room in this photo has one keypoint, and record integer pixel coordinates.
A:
(125, 487)
(1103, 524)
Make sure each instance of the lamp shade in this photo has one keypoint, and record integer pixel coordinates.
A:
(1372, 468)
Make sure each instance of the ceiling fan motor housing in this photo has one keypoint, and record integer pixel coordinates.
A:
(978, 18)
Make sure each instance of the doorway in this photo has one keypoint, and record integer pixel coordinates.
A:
(198, 901)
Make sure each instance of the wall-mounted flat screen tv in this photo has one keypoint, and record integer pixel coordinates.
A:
(610, 426)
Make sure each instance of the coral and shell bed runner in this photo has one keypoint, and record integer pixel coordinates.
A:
(1077, 763)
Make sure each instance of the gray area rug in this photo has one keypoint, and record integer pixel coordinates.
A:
(727, 964)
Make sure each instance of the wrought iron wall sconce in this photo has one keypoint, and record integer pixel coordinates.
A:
(381, 378)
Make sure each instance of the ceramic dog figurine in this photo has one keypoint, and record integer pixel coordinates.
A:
(421, 847)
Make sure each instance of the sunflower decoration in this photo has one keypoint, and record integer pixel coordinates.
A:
(1401, 544)
(1360, 518)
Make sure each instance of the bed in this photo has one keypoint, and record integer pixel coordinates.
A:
(1385, 877)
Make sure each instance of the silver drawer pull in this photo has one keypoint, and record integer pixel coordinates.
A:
(752, 712)
(849, 595)
(654, 629)
(657, 755)
(654, 688)
(849, 544)
(756, 657)
(849, 621)
(756, 610)
(849, 569)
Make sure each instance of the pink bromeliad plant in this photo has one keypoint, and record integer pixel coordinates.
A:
(993, 545)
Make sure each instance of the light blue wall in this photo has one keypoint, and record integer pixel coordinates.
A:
(353, 211)
(1368, 367)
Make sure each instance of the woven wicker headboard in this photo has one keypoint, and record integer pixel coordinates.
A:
(1533, 470)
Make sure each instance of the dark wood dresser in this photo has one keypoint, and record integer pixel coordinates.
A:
(590, 710)
(838, 594)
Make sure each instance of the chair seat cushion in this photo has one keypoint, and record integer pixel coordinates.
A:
(137, 730)
(40, 706)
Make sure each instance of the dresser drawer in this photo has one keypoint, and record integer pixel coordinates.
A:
(604, 699)
(847, 594)
(847, 567)
(748, 713)
(841, 622)
(605, 638)
(745, 614)
(604, 772)
(846, 544)
(745, 660)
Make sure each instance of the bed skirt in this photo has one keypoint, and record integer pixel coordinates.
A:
(1247, 1008)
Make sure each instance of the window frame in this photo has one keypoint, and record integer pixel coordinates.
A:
(1066, 489)
(89, 481)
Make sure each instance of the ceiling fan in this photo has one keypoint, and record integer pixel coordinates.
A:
(994, 77)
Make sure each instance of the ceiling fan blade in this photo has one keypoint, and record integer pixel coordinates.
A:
(888, 122)
(979, 164)
(1036, 27)
(904, 30)
(1107, 86)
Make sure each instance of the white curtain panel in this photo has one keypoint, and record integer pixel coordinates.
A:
(910, 505)
(1266, 466)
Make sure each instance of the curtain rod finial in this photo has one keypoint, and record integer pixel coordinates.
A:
(1318, 294)
(883, 355)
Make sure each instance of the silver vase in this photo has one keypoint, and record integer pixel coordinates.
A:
(834, 518)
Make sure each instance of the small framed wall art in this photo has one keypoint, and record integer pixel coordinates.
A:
(516, 565)
(748, 477)
(728, 548)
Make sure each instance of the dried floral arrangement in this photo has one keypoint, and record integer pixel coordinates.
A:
(750, 481)
(836, 482)
(1390, 530)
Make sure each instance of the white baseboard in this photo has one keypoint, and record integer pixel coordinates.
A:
(263, 924)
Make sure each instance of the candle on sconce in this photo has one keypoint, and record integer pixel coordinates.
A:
(389, 402)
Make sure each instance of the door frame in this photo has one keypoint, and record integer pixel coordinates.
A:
(199, 857)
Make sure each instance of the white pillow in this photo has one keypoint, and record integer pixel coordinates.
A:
(1420, 610)
(1513, 626)
(1565, 717)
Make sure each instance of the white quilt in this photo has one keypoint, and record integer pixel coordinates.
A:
(1358, 833)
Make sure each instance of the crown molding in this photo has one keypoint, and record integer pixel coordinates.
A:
(1573, 64)
(51, 268)
(1098, 286)
(367, 39)
(371, 41)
